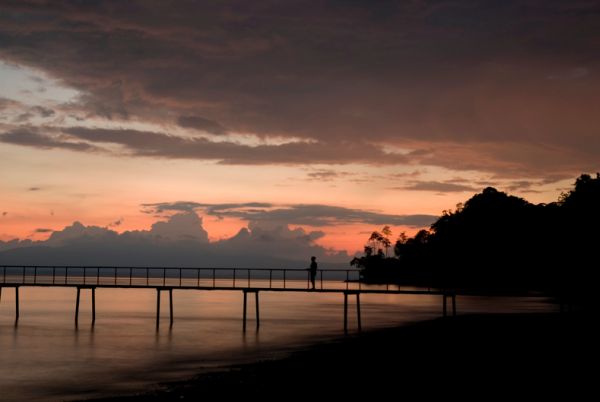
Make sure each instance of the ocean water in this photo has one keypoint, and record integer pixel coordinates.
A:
(43, 357)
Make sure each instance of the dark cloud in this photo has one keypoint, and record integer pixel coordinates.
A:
(8, 103)
(326, 175)
(31, 138)
(191, 206)
(34, 189)
(507, 87)
(43, 230)
(575, 73)
(152, 144)
(312, 215)
(29, 112)
(178, 206)
(404, 175)
(23, 117)
(4, 213)
(439, 187)
(511, 160)
(116, 223)
(521, 185)
(201, 123)
(43, 111)
(529, 186)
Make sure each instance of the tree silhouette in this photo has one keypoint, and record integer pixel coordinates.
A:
(381, 240)
(387, 232)
(498, 242)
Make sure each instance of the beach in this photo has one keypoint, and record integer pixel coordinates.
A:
(471, 356)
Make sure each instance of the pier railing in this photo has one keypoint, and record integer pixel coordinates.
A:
(247, 280)
(173, 277)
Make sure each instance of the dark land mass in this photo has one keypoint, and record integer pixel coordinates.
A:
(496, 242)
(474, 356)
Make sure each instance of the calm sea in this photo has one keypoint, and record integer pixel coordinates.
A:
(44, 358)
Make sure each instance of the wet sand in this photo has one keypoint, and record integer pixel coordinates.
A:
(472, 356)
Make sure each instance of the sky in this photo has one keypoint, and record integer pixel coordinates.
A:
(323, 119)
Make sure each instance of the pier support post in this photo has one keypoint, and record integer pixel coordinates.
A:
(245, 303)
(77, 306)
(257, 311)
(445, 297)
(157, 308)
(454, 305)
(93, 305)
(444, 303)
(358, 315)
(171, 306)
(158, 292)
(16, 303)
(78, 301)
(245, 312)
(358, 311)
(345, 312)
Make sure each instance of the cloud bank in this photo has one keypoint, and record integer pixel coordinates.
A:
(180, 240)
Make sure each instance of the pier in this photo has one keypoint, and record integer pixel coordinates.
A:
(251, 281)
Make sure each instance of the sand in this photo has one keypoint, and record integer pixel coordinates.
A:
(508, 356)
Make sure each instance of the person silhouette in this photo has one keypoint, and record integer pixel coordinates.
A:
(313, 270)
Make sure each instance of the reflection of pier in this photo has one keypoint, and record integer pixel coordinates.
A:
(247, 280)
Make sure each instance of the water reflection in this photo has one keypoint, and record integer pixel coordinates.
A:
(123, 351)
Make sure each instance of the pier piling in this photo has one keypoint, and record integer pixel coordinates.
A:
(358, 311)
(444, 304)
(453, 305)
(257, 312)
(78, 301)
(16, 303)
(358, 315)
(245, 304)
(345, 312)
(157, 308)
(246, 291)
(171, 307)
(158, 291)
(77, 306)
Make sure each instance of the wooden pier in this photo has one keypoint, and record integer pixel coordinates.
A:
(245, 280)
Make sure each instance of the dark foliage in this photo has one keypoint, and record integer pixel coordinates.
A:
(498, 242)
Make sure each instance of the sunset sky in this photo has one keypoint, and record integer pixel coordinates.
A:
(337, 117)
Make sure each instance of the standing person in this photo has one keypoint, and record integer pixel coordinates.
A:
(313, 270)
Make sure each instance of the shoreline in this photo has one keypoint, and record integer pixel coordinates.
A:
(521, 352)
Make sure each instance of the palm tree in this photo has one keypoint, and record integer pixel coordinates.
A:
(385, 239)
